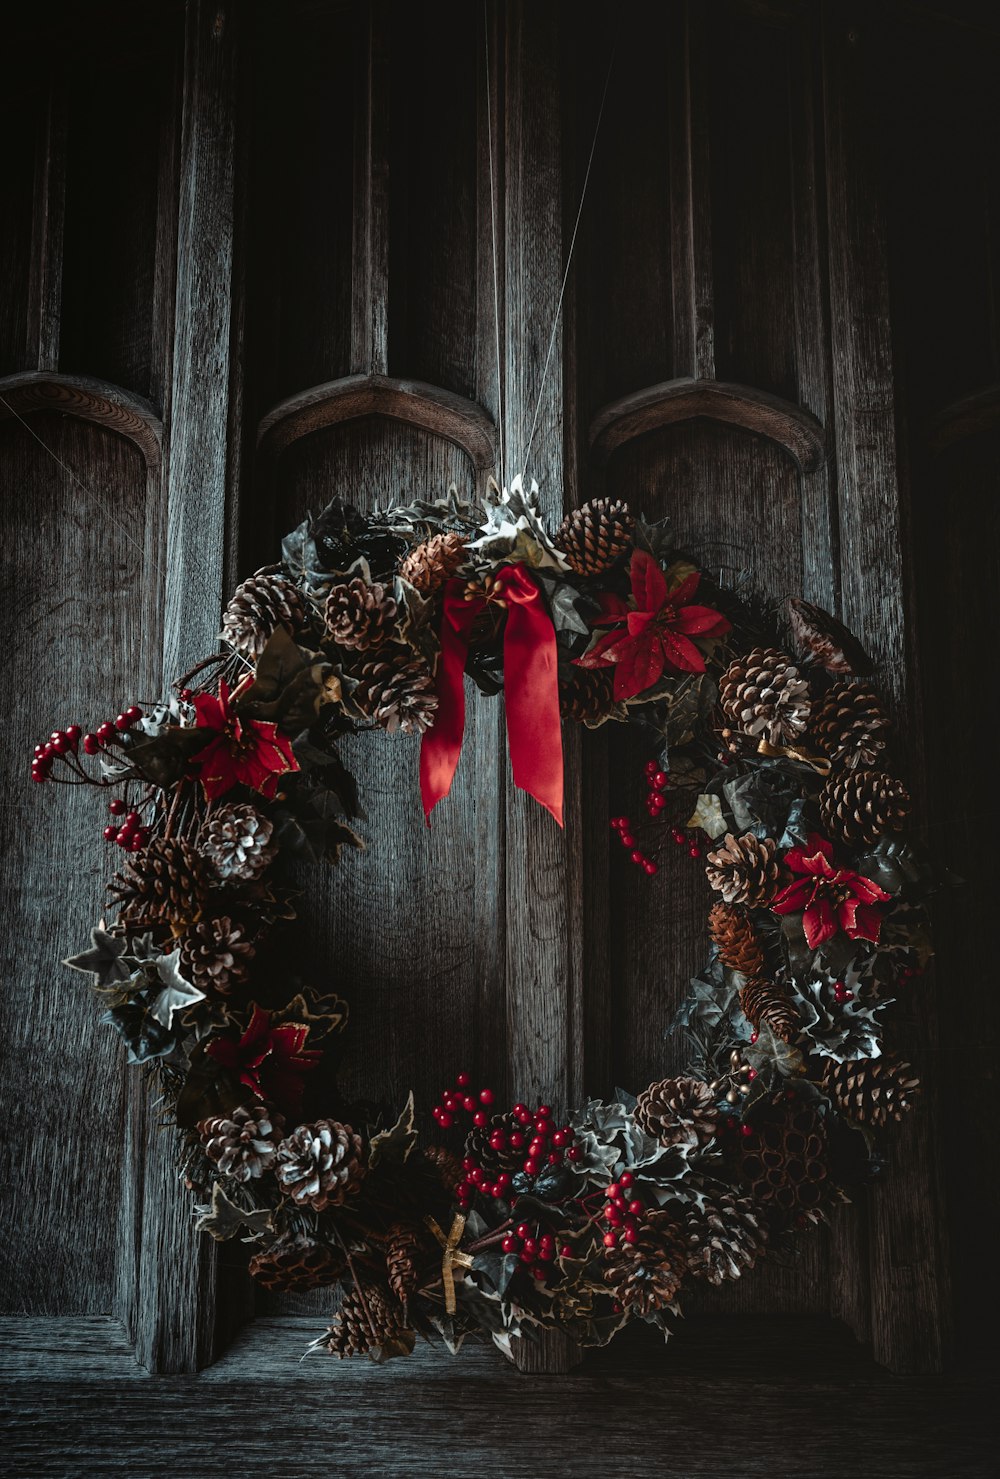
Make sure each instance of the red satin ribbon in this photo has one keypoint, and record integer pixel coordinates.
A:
(530, 690)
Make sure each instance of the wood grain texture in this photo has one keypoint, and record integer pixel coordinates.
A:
(774, 1399)
(87, 399)
(44, 306)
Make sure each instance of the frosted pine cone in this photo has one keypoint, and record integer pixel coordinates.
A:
(744, 870)
(238, 841)
(264, 602)
(678, 1110)
(367, 1320)
(396, 689)
(646, 1274)
(244, 1144)
(216, 956)
(719, 1232)
(359, 615)
(764, 695)
(321, 1164)
(851, 726)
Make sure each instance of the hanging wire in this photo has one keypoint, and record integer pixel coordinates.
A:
(493, 228)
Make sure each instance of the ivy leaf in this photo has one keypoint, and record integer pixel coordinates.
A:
(396, 1144)
(145, 1037)
(708, 815)
(162, 759)
(223, 1219)
(177, 992)
(770, 1052)
(104, 960)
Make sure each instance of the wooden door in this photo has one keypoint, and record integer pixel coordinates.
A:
(279, 285)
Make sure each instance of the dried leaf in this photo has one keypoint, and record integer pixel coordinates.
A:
(396, 1144)
(224, 1219)
(708, 815)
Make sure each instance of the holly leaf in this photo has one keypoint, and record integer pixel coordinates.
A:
(104, 960)
(395, 1145)
(223, 1219)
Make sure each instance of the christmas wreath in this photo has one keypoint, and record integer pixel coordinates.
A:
(767, 762)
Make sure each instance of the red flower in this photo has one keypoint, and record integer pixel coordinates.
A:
(830, 898)
(243, 752)
(658, 629)
(270, 1061)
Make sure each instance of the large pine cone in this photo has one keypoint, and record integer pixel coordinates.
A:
(586, 696)
(825, 640)
(165, 884)
(785, 1160)
(430, 565)
(264, 602)
(396, 689)
(744, 870)
(719, 1231)
(765, 696)
(646, 1275)
(595, 535)
(860, 806)
(298, 1262)
(244, 1144)
(367, 1320)
(766, 1005)
(216, 956)
(850, 725)
(320, 1165)
(678, 1110)
(402, 1260)
(739, 944)
(506, 1158)
(447, 1166)
(871, 1091)
(238, 841)
(359, 615)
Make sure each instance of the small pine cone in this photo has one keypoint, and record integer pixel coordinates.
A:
(826, 641)
(744, 870)
(478, 1147)
(720, 1233)
(850, 725)
(238, 841)
(739, 946)
(678, 1110)
(595, 535)
(216, 956)
(871, 1091)
(586, 696)
(164, 884)
(320, 1165)
(766, 1005)
(447, 1166)
(764, 695)
(244, 1144)
(402, 1259)
(296, 1263)
(396, 689)
(646, 1274)
(264, 602)
(367, 1320)
(785, 1161)
(429, 565)
(860, 806)
(359, 615)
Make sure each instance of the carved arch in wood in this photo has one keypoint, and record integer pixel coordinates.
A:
(87, 399)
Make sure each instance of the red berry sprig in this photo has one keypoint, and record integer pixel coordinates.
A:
(623, 1212)
(657, 784)
(841, 993)
(536, 1247)
(544, 1143)
(64, 745)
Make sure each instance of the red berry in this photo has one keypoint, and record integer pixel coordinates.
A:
(503, 1181)
(468, 1103)
(848, 995)
(626, 1179)
(530, 1245)
(532, 1166)
(660, 780)
(746, 1131)
(498, 1140)
(638, 858)
(123, 836)
(694, 851)
(136, 842)
(559, 1138)
(462, 1081)
(524, 1118)
(631, 1235)
(509, 1244)
(544, 1111)
(657, 802)
(677, 834)
(610, 1240)
(444, 1119)
(627, 840)
(480, 1118)
(73, 731)
(109, 834)
(39, 776)
(554, 1158)
(91, 744)
(612, 1215)
(59, 743)
(105, 732)
(133, 713)
(753, 1036)
(116, 807)
(574, 1153)
(546, 1252)
(516, 1140)
(565, 1251)
(468, 1164)
(618, 1307)
(751, 1073)
(636, 1208)
(540, 1272)
(650, 867)
(121, 723)
(523, 1230)
(486, 1096)
(651, 767)
(40, 752)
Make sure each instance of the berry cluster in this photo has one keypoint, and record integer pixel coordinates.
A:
(536, 1248)
(623, 1212)
(657, 783)
(65, 744)
(841, 993)
(537, 1136)
(127, 829)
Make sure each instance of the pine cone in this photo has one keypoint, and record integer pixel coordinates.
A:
(850, 725)
(359, 615)
(744, 870)
(586, 695)
(785, 1160)
(298, 1262)
(646, 1275)
(678, 1110)
(764, 695)
(238, 841)
(478, 1147)
(396, 689)
(595, 535)
(401, 1258)
(719, 1232)
(860, 806)
(766, 1005)
(871, 1091)
(216, 956)
(165, 884)
(446, 1164)
(264, 602)
(244, 1144)
(320, 1165)
(739, 946)
(429, 565)
(827, 641)
(367, 1320)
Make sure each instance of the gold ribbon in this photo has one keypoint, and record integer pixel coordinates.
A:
(453, 1257)
(819, 763)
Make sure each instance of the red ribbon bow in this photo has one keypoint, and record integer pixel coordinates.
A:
(530, 691)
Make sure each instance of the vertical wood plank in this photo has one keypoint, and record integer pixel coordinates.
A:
(690, 199)
(370, 255)
(909, 1294)
(45, 280)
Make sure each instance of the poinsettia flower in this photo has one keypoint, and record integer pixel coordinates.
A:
(270, 1061)
(243, 752)
(658, 627)
(829, 898)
